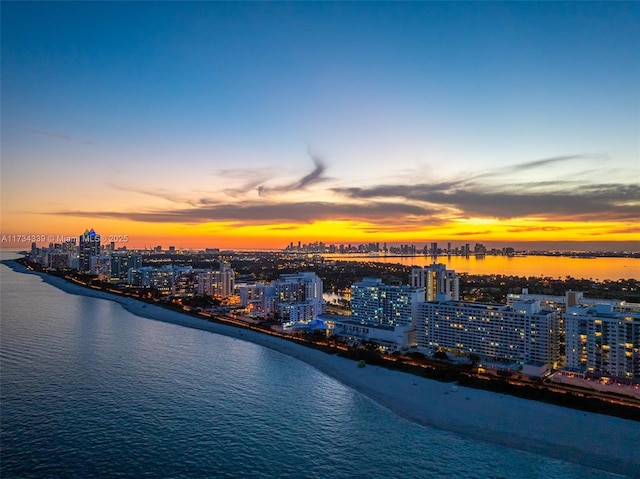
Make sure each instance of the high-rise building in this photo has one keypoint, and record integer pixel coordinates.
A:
(296, 298)
(70, 246)
(89, 245)
(57, 259)
(602, 341)
(524, 332)
(437, 281)
(121, 263)
(166, 279)
(377, 304)
(255, 296)
(100, 265)
(220, 283)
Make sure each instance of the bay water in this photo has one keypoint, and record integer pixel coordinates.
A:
(597, 269)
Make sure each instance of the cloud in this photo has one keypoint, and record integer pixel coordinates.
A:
(250, 180)
(282, 228)
(625, 230)
(316, 176)
(256, 180)
(391, 226)
(534, 228)
(303, 212)
(556, 199)
(160, 193)
(605, 201)
(471, 233)
(57, 136)
(631, 230)
(242, 190)
(528, 165)
(49, 134)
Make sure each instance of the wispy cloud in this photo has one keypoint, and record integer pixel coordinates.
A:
(159, 193)
(282, 228)
(249, 179)
(263, 182)
(49, 134)
(471, 233)
(303, 212)
(57, 136)
(528, 165)
(316, 176)
(532, 229)
(472, 196)
(523, 167)
(632, 230)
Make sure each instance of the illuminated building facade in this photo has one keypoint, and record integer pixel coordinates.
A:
(220, 283)
(436, 280)
(603, 341)
(377, 304)
(121, 263)
(89, 245)
(295, 298)
(523, 332)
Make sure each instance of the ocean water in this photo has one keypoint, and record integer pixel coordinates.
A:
(90, 390)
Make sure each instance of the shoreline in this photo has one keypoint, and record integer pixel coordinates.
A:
(602, 442)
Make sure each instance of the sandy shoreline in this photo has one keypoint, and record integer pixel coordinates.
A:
(603, 442)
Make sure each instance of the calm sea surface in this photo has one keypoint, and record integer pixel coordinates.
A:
(549, 266)
(90, 390)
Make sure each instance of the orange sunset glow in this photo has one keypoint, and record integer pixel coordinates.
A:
(137, 234)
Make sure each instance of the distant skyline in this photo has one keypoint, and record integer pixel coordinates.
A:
(238, 125)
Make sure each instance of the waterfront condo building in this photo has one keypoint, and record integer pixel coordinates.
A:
(255, 296)
(523, 332)
(295, 298)
(100, 266)
(162, 279)
(121, 263)
(390, 338)
(436, 280)
(383, 313)
(603, 341)
(89, 245)
(220, 283)
(377, 304)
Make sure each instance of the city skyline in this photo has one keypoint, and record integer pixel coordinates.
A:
(240, 125)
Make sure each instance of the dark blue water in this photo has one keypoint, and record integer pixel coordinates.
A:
(90, 390)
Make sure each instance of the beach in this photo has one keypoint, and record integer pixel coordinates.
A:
(603, 442)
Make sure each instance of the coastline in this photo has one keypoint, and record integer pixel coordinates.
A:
(593, 440)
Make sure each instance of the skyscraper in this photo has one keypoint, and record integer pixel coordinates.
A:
(603, 341)
(297, 298)
(89, 243)
(121, 263)
(377, 304)
(220, 283)
(436, 279)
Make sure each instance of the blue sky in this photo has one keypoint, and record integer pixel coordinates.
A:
(203, 103)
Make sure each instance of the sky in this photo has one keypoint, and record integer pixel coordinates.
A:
(257, 124)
